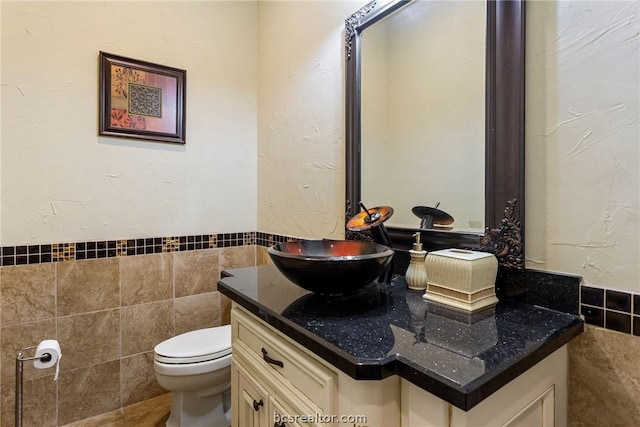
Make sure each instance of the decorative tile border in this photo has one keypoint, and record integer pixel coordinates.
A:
(608, 308)
(611, 309)
(268, 239)
(70, 251)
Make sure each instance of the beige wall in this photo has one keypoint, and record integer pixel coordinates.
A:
(301, 117)
(582, 133)
(62, 182)
(583, 161)
(582, 181)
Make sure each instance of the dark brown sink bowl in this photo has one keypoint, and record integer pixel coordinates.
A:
(331, 267)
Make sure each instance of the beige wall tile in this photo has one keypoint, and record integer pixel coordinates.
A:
(89, 339)
(196, 272)
(85, 286)
(237, 257)
(197, 312)
(262, 256)
(16, 337)
(225, 310)
(27, 293)
(604, 379)
(120, 360)
(89, 391)
(38, 403)
(146, 278)
(145, 325)
(139, 379)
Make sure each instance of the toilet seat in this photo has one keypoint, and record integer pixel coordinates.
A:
(198, 346)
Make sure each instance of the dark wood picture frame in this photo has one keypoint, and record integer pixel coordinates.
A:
(141, 100)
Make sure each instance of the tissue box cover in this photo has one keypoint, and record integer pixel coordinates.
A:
(461, 278)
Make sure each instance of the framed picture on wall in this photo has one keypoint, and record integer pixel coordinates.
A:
(141, 100)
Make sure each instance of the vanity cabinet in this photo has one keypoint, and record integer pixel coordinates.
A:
(249, 408)
(537, 398)
(295, 386)
(255, 406)
(276, 381)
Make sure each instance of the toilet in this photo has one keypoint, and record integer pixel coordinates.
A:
(196, 368)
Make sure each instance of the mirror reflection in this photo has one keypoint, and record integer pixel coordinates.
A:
(423, 113)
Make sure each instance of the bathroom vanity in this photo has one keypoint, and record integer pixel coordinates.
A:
(387, 357)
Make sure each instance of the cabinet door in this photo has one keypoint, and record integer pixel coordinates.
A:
(539, 413)
(279, 416)
(249, 400)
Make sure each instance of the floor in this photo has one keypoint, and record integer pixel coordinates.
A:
(149, 413)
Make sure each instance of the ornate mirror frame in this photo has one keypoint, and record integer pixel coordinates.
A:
(504, 133)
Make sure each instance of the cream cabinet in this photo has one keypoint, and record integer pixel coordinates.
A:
(537, 398)
(256, 407)
(276, 382)
(249, 408)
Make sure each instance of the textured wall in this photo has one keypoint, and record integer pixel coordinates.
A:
(301, 117)
(582, 181)
(62, 182)
(582, 133)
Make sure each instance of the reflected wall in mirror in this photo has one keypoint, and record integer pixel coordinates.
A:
(498, 154)
(423, 112)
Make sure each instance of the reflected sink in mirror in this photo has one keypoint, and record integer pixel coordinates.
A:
(331, 267)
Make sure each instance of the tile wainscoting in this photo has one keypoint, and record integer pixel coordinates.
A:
(108, 303)
(611, 309)
(604, 379)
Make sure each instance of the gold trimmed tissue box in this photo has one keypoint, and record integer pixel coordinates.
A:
(461, 278)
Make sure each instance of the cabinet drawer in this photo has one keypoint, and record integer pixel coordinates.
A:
(289, 362)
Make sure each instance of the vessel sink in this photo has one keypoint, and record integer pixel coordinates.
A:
(331, 267)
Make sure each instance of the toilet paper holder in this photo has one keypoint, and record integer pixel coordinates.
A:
(20, 359)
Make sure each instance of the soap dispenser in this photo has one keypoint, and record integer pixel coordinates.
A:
(416, 275)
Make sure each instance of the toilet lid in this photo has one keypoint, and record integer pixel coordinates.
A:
(200, 345)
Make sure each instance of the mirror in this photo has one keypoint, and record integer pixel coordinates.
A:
(422, 115)
(500, 132)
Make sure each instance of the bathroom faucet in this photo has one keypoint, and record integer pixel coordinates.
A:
(373, 220)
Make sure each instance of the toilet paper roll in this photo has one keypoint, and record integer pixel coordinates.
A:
(51, 347)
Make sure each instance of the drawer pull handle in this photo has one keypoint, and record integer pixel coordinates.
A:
(270, 360)
(257, 405)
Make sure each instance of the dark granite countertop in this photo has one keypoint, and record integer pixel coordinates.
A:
(388, 329)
